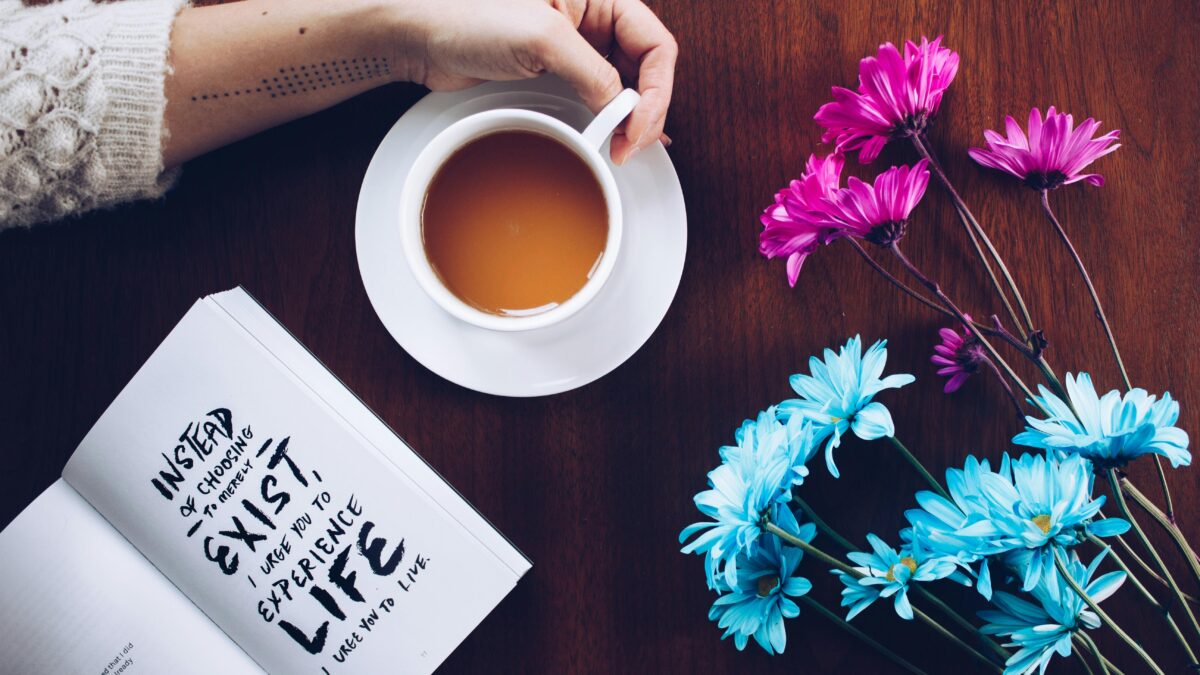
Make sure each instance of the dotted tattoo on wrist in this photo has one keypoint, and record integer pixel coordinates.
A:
(296, 80)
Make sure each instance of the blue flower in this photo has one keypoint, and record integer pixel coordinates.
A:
(1045, 629)
(1042, 505)
(939, 522)
(756, 605)
(838, 395)
(1109, 430)
(1021, 514)
(755, 478)
(887, 574)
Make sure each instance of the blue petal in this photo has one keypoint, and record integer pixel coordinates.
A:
(873, 421)
(1109, 527)
(903, 608)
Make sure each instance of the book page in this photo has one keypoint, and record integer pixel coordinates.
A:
(77, 598)
(275, 518)
(305, 366)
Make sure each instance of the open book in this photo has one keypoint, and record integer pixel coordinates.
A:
(237, 509)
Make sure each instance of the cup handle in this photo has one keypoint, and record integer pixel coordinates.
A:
(607, 119)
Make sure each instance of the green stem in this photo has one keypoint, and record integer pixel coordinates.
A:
(904, 288)
(976, 233)
(1128, 548)
(941, 296)
(822, 525)
(954, 616)
(1112, 625)
(963, 623)
(1167, 523)
(1012, 398)
(1087, 639)
(845, 625)
(916, 463)
(843, 567)
(1123, 506)
(1108, 331)
(1104, 662)
(1087, 668)
(1154, 603)
(1087, 280)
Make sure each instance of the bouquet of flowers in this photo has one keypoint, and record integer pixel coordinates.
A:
(1029, 533)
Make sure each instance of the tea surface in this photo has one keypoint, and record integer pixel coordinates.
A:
(514, 223)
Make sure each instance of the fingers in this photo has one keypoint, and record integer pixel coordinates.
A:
(643, 39)
(567, 54)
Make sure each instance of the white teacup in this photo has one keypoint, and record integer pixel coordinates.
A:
(588, 145)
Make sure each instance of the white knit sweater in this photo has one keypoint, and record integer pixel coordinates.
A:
(81, 106)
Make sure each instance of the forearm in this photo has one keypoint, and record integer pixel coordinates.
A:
(243, 67)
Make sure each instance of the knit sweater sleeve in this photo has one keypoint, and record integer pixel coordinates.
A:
(81, 106)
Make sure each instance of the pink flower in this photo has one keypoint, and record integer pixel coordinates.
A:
(879, 212)
(959, 355)
(897, 96)
(1054, 153)
(793, 226)
(814, 210)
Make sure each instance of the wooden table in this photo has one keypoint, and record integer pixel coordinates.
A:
(594, 485)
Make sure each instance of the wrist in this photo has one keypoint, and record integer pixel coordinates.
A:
(392, 29)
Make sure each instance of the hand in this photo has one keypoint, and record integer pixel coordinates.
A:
(453, 44)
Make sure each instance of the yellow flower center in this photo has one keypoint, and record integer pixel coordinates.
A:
(834, 419)
(907, 561)
(1042, 521)
(766, 585)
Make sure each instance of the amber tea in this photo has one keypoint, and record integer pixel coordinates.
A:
(514, 223)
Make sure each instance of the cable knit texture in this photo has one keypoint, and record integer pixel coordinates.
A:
(81, 106)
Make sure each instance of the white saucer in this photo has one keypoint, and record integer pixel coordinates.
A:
(539, 362)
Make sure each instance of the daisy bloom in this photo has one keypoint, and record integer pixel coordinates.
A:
(753, 481)
(959, 355)
(879, 212)
(814, 210)
(1054, 152)
(1037, 505)
(888, 573)
(898, 94)
(762, 597)
(1041, 630)
(793, 226)
(838, 396)
(1109, 430)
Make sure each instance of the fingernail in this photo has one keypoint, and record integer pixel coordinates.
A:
(666, 140)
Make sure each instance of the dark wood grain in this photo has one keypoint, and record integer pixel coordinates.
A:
(595, 484)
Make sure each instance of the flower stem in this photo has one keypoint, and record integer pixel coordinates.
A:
(937, 291)
(962, 622)
(1104, 662)
(1112, 625)
(843, 567)
(1087, 280)
(908, 290)
(1087, 639)
(954, 616)
(916, 463)
(1154, 603)
(1108, 331)
(1035, 355)
(845, 625)
(976, 233)
(1166, 522)
(1007, 389)
(1087, 667)
(1128, 548)
(822, 525)
(1123, 506)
